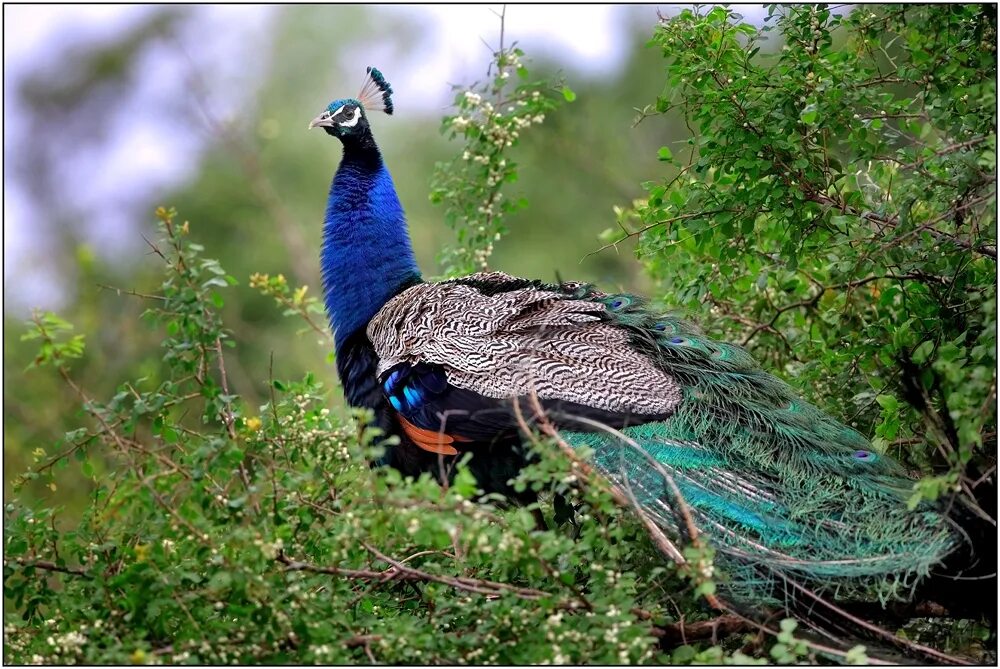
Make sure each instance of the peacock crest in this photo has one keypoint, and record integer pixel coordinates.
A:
(376, 93)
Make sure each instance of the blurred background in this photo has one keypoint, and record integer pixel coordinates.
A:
(110, 111)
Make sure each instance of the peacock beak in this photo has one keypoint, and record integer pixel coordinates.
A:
(321, 121)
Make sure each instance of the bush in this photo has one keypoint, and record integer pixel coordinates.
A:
(834, 212)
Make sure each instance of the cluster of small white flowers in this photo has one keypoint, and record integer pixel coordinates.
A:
(511, 543)
(269, 549)
(483, 544)
(69, 643)
(14, 640)
(482, 256)
(501, 137)
(610, 574)
(612, 633)
(343, 452)
(322, 651)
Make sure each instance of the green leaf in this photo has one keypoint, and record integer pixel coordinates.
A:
(887, 402)
(923, 351)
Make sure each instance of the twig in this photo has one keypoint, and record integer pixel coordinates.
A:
(703, 629)
(52, 566)
(129, 291)
(875, 629)
(400, 572)
(365, 641)
(682, 217)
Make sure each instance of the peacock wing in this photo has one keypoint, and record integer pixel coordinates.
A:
(473, 345)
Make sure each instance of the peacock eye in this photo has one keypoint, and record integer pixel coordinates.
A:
(677, 340)
(617, 304)
(352, 114)
(660, 326)
(862, 455)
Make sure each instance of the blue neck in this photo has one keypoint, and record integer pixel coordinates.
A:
(367, 257)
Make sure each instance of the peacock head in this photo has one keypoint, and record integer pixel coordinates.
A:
(346, 118)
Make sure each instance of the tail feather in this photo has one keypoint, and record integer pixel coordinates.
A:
(817, 525)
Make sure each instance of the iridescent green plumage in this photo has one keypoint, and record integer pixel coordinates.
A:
(781, 489)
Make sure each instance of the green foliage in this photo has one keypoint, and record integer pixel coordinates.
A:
(224, 533)
(295, 302)
(491, 119)
(834, 210)
(55, 349)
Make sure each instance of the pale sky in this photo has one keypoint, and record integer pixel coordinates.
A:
(141, 159)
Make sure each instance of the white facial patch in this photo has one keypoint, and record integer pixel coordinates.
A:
(353, 121)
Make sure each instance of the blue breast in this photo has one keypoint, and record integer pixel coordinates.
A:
(367, 256)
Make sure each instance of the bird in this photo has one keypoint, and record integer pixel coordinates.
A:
(692, 430)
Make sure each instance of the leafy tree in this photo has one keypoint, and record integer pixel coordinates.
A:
(834, 209)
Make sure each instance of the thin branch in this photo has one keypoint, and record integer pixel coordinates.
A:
(876, 630)
(400, 572)
(52, 566)
(704, 629)
(682, 217)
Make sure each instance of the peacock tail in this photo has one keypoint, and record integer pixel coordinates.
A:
(678, 422)
(780, 489)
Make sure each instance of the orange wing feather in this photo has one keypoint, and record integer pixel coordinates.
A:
(429, 440)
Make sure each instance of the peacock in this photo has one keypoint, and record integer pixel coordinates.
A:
(690, 429)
